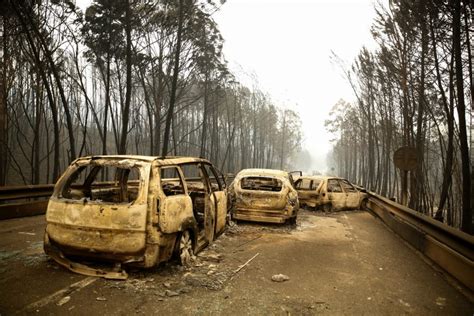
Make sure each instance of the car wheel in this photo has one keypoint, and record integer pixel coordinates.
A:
(327, 208)
(292, 221)
(364, 204)
(186, 252)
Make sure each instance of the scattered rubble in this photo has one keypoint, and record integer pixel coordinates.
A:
(170, 293)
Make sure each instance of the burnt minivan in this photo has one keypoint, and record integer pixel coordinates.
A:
(133, 210)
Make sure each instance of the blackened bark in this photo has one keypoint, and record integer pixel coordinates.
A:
(174, 82)
(3, 99)
(128, 84)
(466, 174)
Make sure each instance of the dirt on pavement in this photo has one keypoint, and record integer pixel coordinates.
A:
(341, 263)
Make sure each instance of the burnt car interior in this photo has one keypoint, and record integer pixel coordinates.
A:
(334, 186)
(103, 183)
(197, 190)
(304, 184)
(307, 184)
(171, 182)
(261, 184)
(348, 188)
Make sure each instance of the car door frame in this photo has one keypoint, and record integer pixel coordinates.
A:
(180, 208)
(306, 196)
(352, 198)
(218, 198)
(337, 199)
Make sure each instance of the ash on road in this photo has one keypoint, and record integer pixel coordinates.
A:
(342, 263)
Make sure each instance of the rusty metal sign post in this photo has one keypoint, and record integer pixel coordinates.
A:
(405, 159)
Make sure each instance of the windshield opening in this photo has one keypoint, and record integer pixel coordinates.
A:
(261, 184)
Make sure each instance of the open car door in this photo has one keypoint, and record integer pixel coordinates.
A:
(218, 199)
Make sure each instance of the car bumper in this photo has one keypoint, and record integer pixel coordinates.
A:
(267, 216)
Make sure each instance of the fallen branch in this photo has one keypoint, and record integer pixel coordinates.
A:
(245, 264)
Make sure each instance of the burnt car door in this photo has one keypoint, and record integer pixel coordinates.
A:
(199, 191)
(352, 195)
(176, 207)
(294, 176)
(336, 195)
(306, 194)
(218, 198)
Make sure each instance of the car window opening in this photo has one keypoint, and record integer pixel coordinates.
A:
(197, 190)
(315, 184)
(304, 184)
(348, 187)
(171, 182)
(103, 183)
(261, 184)
(333, 186)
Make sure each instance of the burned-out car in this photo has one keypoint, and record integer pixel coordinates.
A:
(263, 195)
(134, 210)
(329, 193)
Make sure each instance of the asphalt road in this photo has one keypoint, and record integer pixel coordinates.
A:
(344, 263)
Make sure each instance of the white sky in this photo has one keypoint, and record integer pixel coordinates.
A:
(288, 44)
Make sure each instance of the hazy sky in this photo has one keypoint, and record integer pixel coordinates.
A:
(288, 44)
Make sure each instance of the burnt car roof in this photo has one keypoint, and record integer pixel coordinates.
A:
(320, 177)
(166, 160)
(263, 172)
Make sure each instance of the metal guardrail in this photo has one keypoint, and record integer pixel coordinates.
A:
(449, 248)
(21, 201)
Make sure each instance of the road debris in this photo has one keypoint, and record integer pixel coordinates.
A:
(170, 293)
(101, 299)
(242, 266)
(63, 301)
(280, 278)
(441, 301)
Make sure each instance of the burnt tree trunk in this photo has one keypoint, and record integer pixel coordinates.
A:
(174, 81)
(466, 174)
(128, 92)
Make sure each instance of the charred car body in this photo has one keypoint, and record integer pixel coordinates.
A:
(329, 193)
(263, 195)
(134, 210)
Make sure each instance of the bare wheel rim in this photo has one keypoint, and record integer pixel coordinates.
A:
(185, 248)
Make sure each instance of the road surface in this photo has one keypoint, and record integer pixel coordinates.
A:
(345, 263)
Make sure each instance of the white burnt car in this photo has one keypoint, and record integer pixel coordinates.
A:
(133, 210)
(329, 193)
(263, 195)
